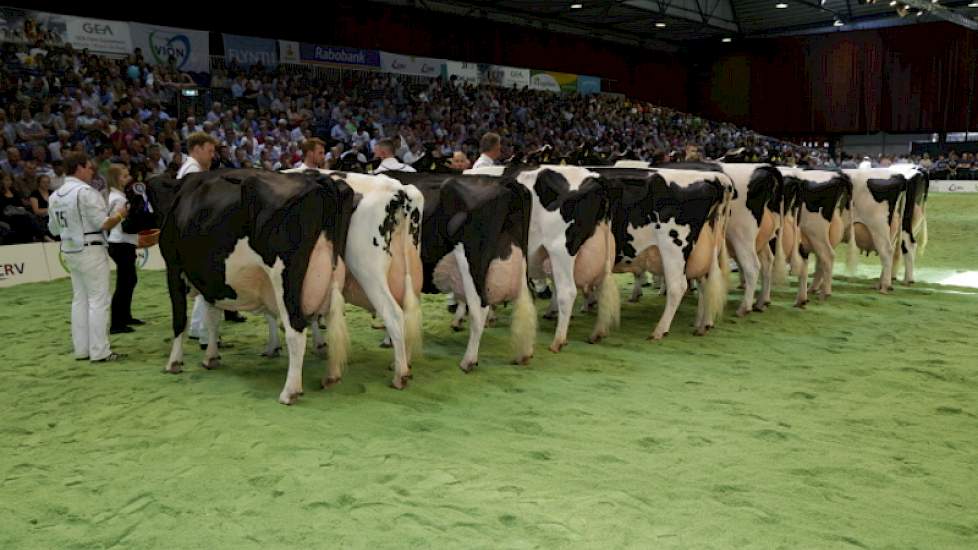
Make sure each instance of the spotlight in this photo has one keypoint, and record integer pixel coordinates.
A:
(838, 23)
(576, 6)
(660, 25)
(727, 40)
(781, 5)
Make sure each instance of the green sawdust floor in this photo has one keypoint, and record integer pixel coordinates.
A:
(854, 423)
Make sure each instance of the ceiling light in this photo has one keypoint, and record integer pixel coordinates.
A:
(781, 5)
(933, 1)
(893, 3)
(973, 5)
(919, 13)
(727, 40)
(660, 25)
(838, 23)
(576, 6)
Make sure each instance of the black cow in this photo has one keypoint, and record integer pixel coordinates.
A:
(474, 245)
(255, 240)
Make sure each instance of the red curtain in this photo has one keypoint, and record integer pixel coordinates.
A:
(900, 79)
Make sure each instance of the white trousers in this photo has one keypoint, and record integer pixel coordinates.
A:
(90, 302)
(198, 319)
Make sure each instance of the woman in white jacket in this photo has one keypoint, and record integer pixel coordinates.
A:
(122, 250)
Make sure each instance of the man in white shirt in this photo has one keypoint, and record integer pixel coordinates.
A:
(313, 154)
(78, 215)
(55, 148)
(384, 150)
(491, 148)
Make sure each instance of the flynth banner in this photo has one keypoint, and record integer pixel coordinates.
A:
(190, 49)
(332, 55)
(406, 64)
(99, 35)
(248, 50)
(553, 81)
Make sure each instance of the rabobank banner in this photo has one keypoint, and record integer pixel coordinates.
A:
(410, 65)
(190, 49)
(587, 85)
(333, 55)
(248, 50)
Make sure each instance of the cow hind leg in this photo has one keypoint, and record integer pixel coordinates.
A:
(637, 288)
(177, 290)
(825, 264)
(458, 320)
(477, 312)
(884, 246)
(766, 258)
(566, 293)
(673, 265)
(274, 345)
(212, 316)
(750, 268)
(909, 258)
(802, 267)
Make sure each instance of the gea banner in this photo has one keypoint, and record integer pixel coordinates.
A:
(189, 49)
(248, 50)
(406, 64)
(99, 35)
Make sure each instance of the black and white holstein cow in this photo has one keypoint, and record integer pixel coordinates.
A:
(818, 207)
(474, 246)
(570, 241)
(672, 223)
(382, 260)
(879, 197)
(255, 240)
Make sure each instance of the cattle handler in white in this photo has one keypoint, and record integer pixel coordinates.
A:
(79, 216)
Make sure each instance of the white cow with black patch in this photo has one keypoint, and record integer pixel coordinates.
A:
(913, 227)
(879, 197)
(818, 207)
(672, 222)
(570, 241)
(383, 263)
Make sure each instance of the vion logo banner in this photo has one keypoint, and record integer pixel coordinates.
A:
(189, 49)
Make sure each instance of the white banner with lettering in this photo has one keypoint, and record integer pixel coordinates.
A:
(406, 64)
(40, 262)
(190, 49)
(99, 35)
(464, 72)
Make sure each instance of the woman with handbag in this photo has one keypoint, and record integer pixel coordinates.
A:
(122, 250)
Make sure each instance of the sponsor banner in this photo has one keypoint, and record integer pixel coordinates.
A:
(505, 77)
(22, 263)
(190, 49)
(26, 26)
(248, 50)
(414, 66)
(288, 51)
(553, 81)
(334, 55)
(99, 35)
(951, 186)
(57, 268)
(587, 85)
(464, 72)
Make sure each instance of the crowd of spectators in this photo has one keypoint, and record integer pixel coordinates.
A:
(126, 111)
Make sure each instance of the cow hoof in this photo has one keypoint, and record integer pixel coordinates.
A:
(399, 383)
(556, 347)
(288, 398)
(273, 353)
(658, 335)
(467, 365)
(909, 283)
(329, 382)
(452, 308)
(767, 303)
(634, 300)
(386, 343)
(760, 308)
(595, 338)
(701, 331)
(800, 304)
(742, 311)
(175, 367)
(525, 360)
(545, 295)
(550, 316)
(212, 363)
(456, 328)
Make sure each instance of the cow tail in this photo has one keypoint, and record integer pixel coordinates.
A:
(609, 298)
(411, 305)
(852, 250)
(780, 271)
(523, 330)
(719, 275)
(337, 332)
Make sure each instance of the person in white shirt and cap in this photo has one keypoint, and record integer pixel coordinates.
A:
(201, 146)
(313, 154)
(384, 150)
(79, 216)
(491, 147)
